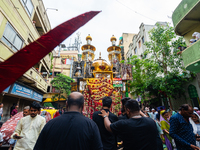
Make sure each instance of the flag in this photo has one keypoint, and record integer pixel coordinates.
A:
(15, 66)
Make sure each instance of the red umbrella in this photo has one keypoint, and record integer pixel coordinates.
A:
(23, 60)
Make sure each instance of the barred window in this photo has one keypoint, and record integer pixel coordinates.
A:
(28, 5)
(12, 38)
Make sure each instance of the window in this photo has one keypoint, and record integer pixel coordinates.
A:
(135, 50)
(28, 5)
(12, 38)
(142, 39)
(139, 43)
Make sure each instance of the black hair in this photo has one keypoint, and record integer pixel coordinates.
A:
(35, 105)
(107, 101)
(124, 100)
(1, 103)
(195, 114)
(77, 102)
(132, 105)
(165, 112)
(122, 110)
(184, 107)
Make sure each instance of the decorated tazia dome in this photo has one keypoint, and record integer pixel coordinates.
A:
(101, 65)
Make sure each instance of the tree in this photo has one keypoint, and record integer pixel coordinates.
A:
(163, 72)
(144, 71)
(61, 83)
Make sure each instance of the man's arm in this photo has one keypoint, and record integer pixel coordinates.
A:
(42, 125)
(18, 130)
(106, 120)
(173, 133)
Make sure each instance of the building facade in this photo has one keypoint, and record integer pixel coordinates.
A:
(137, 47)
(185, 19)
(22, 22)
(124, 42)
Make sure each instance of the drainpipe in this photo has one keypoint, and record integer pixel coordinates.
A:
(71, 66)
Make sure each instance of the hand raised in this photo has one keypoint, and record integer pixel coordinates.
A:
(104, 113)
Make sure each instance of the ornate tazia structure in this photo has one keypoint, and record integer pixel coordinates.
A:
(99, 78)
(114, 55)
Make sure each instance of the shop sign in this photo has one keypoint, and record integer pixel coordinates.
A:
(117, 82)
(22, 91)
(37, 96)
(7, 89)
(117, 85)
(26, 92)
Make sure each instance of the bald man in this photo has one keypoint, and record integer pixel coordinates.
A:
(70, 131)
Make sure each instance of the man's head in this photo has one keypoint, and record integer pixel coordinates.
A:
(34, 109)
(186, 110)
(196, 108)
(1, 105)
(75, 102)
(153, 110)
(107, 101)
(124, 100)
(26, 111)
(132, 107)
(16, 107)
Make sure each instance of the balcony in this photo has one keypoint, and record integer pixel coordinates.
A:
(37, 79)
(186, 16)
(191, 57)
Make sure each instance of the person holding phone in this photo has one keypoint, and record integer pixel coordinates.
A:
(29, 128)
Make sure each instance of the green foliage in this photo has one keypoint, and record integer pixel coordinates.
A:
(48, 105)
(162, 73)
(62, 83)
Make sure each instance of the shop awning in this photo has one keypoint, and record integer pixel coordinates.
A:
(51, 100)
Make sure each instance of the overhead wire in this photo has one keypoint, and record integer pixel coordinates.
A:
(135, 11)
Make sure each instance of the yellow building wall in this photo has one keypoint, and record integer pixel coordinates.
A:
(13, 11)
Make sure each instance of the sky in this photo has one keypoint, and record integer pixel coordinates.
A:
(117, 17)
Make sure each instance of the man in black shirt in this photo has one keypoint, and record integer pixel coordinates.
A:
(108, 139)
(70, 131)
(138, 133)
(123, 115)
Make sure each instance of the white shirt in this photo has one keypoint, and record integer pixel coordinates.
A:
(1, 111)
(1, 137)
(30, 129)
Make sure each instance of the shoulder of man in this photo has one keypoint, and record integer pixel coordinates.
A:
(96, 113)
(175, 117)
(149, 120)
(40, 117)
(113, 115)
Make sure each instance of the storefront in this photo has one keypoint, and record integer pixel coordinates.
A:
(20, 94)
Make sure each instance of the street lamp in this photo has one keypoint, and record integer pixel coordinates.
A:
(51, 9)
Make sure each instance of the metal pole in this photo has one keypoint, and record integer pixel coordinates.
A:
(71, 67)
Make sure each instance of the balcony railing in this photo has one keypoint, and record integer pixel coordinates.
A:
(191, 57)
(185, 16)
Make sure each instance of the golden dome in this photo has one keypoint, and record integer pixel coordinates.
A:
(101, 65)
(88, 37)
(113, 38)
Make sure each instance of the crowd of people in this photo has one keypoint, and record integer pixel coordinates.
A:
(134, 129)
